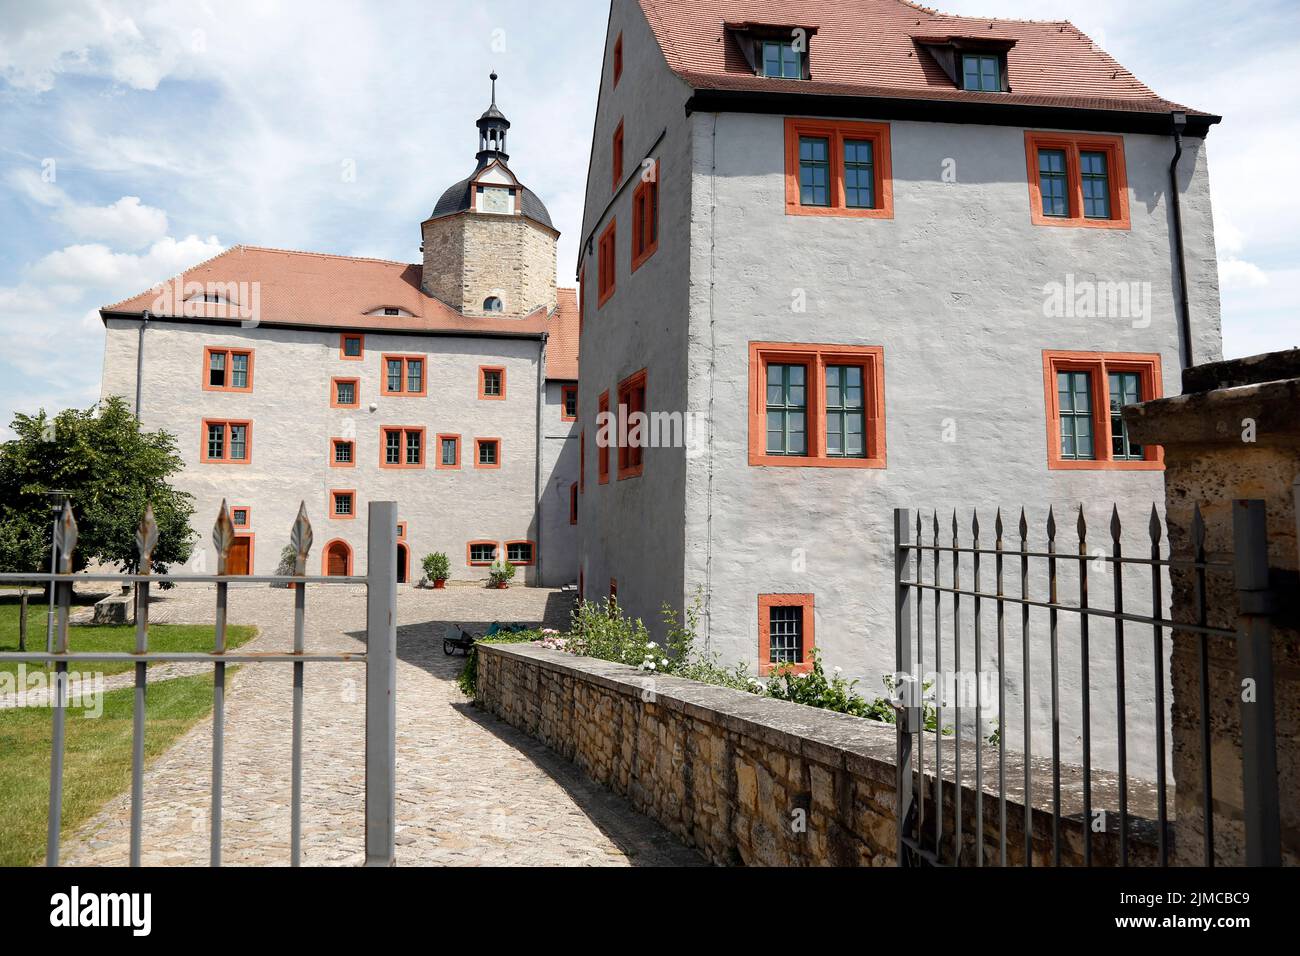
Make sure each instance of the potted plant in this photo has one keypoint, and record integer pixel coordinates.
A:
(437, 568)
(500, 575)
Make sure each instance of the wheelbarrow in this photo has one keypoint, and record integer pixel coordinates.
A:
(462, 640)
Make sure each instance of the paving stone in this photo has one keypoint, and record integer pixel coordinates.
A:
(471, 790)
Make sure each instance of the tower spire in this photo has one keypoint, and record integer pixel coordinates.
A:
(492, 126)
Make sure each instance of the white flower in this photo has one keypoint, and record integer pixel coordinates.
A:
(838, 669)
(652, 644)
(651, 665)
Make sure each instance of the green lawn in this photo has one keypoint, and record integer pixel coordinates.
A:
(97, 765)
(162, 637)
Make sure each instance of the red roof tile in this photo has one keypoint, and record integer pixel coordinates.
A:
(871, 48)
(313, 289)
(562, 345)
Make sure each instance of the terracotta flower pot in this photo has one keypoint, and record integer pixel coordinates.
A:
(500, 585)
(440, 583)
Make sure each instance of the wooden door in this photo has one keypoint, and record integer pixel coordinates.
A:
(240, 556)
(401, 563)
(336, 560)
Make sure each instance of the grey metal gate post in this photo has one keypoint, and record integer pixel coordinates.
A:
(1255, 660)
(904, 718)
(381, 684)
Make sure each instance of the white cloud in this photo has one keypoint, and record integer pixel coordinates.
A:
(1239, 274)
(43, 41)
(126, 222)
(97, 267)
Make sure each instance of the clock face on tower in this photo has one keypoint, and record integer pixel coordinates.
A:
(496, 199)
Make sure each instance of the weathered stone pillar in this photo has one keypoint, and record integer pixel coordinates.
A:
(1233, 434)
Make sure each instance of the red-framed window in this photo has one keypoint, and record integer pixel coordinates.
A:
(816, 405)
(1085, 394)
(352, 346)
(345, 393)
(616, 156)
(606, 267)
(343, 453)
(492, 382)
(521, 553)
(480, 554)
(573, 503)
(645, 216)
(582, 461)
(227, 370)
(342, 504)
(837, 168)
(487, 452)
(402, 446)
(224, 442)
(786, 638)
(607, 426)
(618, 59)
(632, 401)
(448, 452)
(568, 403)
(1077, 180)
(404, 375)
(241, 516)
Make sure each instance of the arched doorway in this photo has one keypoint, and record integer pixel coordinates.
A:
(403, 562)
(337, 560)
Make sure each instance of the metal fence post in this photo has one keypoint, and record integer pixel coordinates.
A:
(1255, 661)
(903, 671)
(381, 684)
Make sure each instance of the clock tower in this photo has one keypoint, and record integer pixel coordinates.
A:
(489, 246)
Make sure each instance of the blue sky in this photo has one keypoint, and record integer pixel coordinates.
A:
(137, 138)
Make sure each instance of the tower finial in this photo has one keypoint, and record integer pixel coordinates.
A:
(493, 76)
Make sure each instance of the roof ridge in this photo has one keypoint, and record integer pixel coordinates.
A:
(934, 12)
(322, 255)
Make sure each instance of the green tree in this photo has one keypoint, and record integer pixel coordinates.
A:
(111, 468)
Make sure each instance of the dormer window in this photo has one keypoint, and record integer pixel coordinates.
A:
(390, 311)
(778, 51)
(975, 64)
(781, 60)
(981, 72)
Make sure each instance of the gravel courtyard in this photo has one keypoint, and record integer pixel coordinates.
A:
(471, 790)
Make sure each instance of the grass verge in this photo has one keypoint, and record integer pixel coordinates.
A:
(97, 762)
(100, 637)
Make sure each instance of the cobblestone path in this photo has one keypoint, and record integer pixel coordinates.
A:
(471, 790)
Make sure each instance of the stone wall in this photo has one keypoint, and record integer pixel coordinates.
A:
(746, 780)
(470, 256)
(1234, 434)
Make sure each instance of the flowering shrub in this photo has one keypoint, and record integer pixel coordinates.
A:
(815, 690)
(600, 630)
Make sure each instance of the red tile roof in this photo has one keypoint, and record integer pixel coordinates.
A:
(562, 345)
(871, 48)
(313, 289)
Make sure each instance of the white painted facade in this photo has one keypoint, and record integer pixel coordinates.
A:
(295, 353)
(952, 287)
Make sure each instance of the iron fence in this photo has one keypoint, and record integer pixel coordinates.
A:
(379, 660)
(926, 789)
